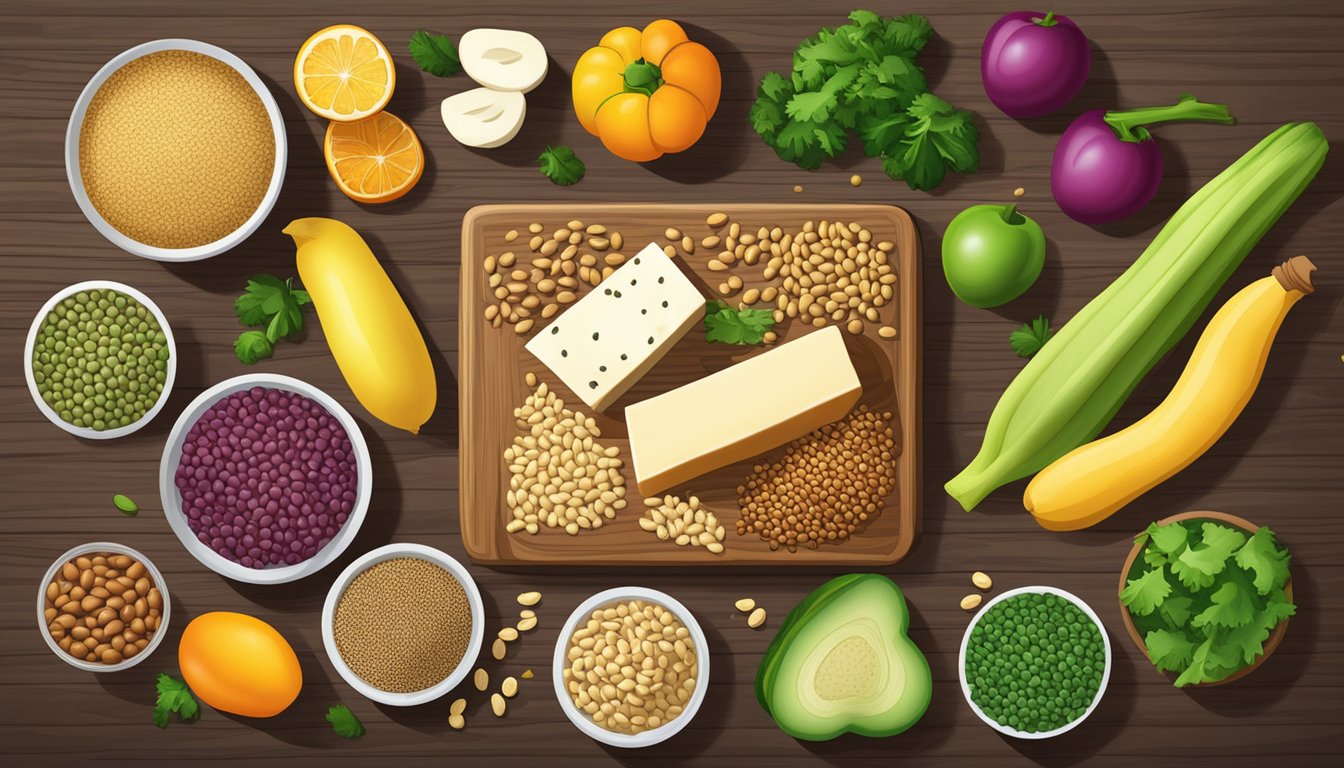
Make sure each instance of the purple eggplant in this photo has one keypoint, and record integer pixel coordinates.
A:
(1107, 166)
(1033, 63)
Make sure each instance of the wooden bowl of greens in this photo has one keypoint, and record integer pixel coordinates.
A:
(1206, 596)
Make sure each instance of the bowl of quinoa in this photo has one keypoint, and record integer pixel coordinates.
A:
(403, 624)
(265, 478)
(175, 150)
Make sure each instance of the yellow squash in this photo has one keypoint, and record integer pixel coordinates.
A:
(1092, 482)
(240, 664)
(370, 331)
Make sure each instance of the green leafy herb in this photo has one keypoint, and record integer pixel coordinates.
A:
(174, 696)
(726, 325)
(251, 347)
(1215, 616)
(271, 302)
(435, 54)
(344, 722)
(1028, 340)
(862, 77)
(561, 165)
(125, 504)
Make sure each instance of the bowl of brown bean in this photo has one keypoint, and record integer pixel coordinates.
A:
(631, 667)
(103, 607)
(403, 624)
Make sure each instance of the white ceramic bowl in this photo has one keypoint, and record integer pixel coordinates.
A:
(581, 719)
(103, 546)
(1105, 675)
(53, 416)
(172, 500)
(74, 176)
(390, 552)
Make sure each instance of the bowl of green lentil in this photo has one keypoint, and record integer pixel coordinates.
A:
(1034, 662)
(100, 359)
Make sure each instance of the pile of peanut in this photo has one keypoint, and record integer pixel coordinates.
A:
(103, 607)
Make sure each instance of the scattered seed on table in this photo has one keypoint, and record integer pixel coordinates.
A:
(745, 605)
(457, 722)
(481, 678)
(125, 504)
(797, 187)
(509, 687)
(527, 674)
(717, 219)
(1019, 192)
(497, 704)
(757, 618)
(673, 234)
(886, 332)
(527, 623)
(981, 580)
(529, 598)
(508, 634)
(499, 649)
(970, 602)
(855, 180)
(511, 235)
(458, 707)
(530, 378)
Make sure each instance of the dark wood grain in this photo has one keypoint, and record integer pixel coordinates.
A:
(492, 362)
(1279, 465)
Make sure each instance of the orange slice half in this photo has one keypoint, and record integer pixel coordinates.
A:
(344, 73)
(375, 160)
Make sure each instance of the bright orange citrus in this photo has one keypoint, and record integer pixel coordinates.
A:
(344, 73)
(376, 160)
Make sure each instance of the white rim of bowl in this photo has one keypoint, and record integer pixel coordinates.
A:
(966, 639)
(560, 663)
(391, 552)
(121, 549)
(172, 502)
(53, 416)
(74, 176)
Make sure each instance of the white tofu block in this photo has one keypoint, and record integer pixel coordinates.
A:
(743, 411)
(610, 338)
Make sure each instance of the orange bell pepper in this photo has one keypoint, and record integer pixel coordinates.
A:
(646, 93)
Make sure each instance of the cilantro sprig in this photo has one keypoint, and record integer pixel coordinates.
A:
(1206, 596)
(1028, 340)
(561, 166)
(726, 325)
(435, 54)
(344, 722)
(861, 78)
(174, 696)
(273, 303)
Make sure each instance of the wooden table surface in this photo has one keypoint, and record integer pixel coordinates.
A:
(1279, 465)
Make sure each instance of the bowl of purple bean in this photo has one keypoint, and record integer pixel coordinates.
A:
(265, 478)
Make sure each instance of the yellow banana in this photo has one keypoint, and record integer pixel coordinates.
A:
(370, 331)
(1092, 482)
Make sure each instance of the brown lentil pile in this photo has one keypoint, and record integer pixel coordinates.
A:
(403, 625)
(685, 523)
(560, 476)
(562, 265)
(632, 666)
(176, 150)
(827, 484)
(103, 607)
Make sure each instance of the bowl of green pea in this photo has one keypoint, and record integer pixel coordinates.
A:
(1034, 662)
(100, 359)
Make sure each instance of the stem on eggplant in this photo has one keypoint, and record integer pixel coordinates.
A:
(1129, 124)
(1048, 21)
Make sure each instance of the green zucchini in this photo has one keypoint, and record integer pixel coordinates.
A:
(1073, 387)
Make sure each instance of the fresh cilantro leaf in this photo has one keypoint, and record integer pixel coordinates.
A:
(906, 35)
(1169, 650)
(262, 298)
(892, 78)
(1262, 556)
(940, 137)
(300, 297)
(1168, 538)
(344, 722)
(880, 132)
(1175, 611)
(252, 347)
(1232, 607)
(1276, 609)
(1218, 544)
(435, 54)
(561, 165)
(1144, 594)
(173, 696)
(817, 106)
(1248, 640)
(1028, 340)
(287, 322)
(1209, 662)
(726, 325)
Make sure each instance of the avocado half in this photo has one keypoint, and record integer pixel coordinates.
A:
(844, 663)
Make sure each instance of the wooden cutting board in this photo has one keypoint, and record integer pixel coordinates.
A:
(492, 364)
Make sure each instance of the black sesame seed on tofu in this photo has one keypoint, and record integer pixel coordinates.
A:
(643, 311)
(602, 368)
(618, 294)
(664, 305)
(636, 259)
(592, 385)
(632, 282)
(607, 291)
(564, 353)
(623, 357)
(555, 329)
(660, 281)
(650, 339)
(594, 335)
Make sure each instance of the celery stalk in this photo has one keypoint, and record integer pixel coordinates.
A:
(1073, 387)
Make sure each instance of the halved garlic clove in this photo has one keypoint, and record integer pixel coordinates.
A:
(484, 117)
(503, 59)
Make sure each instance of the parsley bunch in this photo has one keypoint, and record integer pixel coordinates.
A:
(271, 302)
(862, 78)
(726, 325)
(173, 696)
(1206, 596)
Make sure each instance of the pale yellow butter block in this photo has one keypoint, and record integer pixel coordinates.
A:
(742, 411)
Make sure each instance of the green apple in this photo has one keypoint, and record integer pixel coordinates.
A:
(992, 254)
